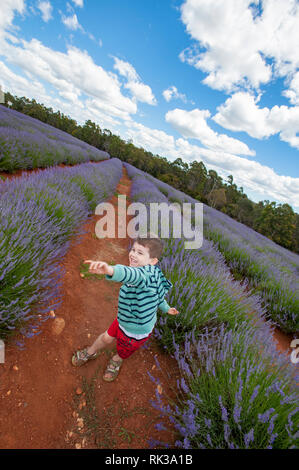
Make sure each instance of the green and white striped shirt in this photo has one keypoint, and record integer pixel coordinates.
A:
(141, 294)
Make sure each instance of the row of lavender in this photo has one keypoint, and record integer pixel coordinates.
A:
(236, 390)
(27, 143)
(39, 214)
(271, 270)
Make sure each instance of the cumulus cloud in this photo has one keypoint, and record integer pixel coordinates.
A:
(260, 180)
(45, 8)
(293, 91)
(241, 42)
(193, 125)
(125, 69)
(72, 74)
(72, 82)
(8, 8)
(172, 93)
(21, 85)
(139, 90)
(154, 140)
(75, 77)
(241, 112)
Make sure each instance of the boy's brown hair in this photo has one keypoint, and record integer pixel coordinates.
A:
(153, 243)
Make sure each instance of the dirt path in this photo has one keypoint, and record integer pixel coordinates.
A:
(45, 402)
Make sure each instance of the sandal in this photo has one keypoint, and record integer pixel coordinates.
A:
(80, 357)
(113, 368)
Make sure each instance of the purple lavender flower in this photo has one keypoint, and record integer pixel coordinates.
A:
(264, 418)
(290, 422)
(237, 412)
(249, 437)
(254, 393)
(39, 215)
(184, 385)
(160, 427)
(223, 410)
(271, 425)
(208, 422)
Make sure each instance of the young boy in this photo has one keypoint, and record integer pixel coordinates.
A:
(143, 291)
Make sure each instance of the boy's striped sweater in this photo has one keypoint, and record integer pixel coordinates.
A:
(141, 294)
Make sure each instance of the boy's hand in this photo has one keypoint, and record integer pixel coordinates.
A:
(99, 267)
(173, 311)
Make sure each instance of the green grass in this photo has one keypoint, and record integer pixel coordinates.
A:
(104, 427)
(87, 275)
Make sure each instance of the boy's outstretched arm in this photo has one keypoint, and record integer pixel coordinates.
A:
(118, 273)
(99, 267)
(129, 274)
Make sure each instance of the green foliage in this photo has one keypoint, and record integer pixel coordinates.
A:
(276, 222)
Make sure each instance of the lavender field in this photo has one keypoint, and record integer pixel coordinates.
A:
(236, 390)
(271, 270)
(40, 214)
(27, 143)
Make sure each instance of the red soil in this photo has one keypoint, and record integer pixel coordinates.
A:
(17, 173)
(47, 403)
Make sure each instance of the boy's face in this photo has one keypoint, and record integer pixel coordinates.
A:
(139, 256)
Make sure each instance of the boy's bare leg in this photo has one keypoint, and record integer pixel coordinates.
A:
(101, 342)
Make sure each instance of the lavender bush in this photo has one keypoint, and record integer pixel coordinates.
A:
(205, 294)
(236, 390)
(274, 276)
(40, 213)
(27, 143)
(271, 270)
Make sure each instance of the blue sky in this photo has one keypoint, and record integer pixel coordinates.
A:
(196, 79)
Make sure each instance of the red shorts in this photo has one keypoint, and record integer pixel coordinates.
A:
(125, 346)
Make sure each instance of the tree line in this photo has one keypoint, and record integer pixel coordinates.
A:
(276, 221)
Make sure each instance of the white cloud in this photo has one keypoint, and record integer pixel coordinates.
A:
(293, 92)
(172, 93)
(46, 9)
(7, 12)
(78, 3)
(73, 83)
(260, 180)
(193, 125)
(72, 74)
(76, 78)
(71, 22)
(20, 85)
(154, 140)
(139, 90)
(125, 69)
(240, 112)
(234, 39)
